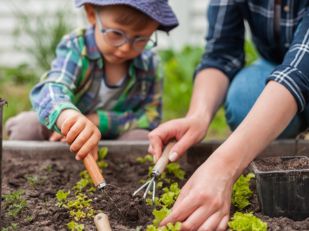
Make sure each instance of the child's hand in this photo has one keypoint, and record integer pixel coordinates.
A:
(80, 133)
(55, 136)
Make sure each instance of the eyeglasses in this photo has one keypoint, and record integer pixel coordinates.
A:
(117, 38)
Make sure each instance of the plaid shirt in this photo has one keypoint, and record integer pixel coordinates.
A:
(74, 83)
(289, 48)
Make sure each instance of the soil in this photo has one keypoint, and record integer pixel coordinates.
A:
(62, 172)
(279, 163)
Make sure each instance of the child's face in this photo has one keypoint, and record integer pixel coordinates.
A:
(108, 33)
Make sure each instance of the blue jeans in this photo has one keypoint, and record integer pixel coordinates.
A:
(246, 88)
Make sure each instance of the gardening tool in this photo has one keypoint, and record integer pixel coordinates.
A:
(101, 222)
(94, 172)
(156, 172)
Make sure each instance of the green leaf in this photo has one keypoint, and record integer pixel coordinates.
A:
(175, 169)
(159, 215)
(242, 192)
(103, 153)
(246, 222)
(147, 158)
(73, 226)
(62, 195)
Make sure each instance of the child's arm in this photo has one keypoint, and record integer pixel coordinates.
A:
(80, 133)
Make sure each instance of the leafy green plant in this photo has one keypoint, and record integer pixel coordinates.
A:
(246, 222)
(242, 192)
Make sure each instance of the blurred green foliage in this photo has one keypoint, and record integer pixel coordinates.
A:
(43, 34)
(178, 71)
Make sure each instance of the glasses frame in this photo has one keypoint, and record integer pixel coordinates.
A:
(126, 38)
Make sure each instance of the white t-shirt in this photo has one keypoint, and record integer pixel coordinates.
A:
(108, 95)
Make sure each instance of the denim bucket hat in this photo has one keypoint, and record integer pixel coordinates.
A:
(159, 10)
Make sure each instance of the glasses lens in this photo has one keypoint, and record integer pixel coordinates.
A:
(140, 43)
(114, 37)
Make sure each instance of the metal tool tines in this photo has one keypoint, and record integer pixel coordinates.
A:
(150, 185)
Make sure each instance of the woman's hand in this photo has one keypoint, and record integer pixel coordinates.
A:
(204, 201)
(186, 131)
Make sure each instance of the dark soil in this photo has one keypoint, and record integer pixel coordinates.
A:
(62, 172)
(279, 163)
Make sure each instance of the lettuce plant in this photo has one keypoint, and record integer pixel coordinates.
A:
(242, 192)
(246, 222)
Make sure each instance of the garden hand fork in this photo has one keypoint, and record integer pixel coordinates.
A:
(156, 172)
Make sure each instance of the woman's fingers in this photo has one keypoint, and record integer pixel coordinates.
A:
(182, 145)
(213, 221)
(185, 207)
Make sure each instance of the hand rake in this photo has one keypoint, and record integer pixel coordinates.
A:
(150, 185)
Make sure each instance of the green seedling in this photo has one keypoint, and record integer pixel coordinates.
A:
(175, 169)
(73, 226)
(11, 227)
(14, 203)
(33, 181)
(159, 215)
(168, 227)
(29, 218)
(49, 168)
(62, 198)
(102, 153)
(246, 222)
(81, 184)
(242, 192)
(145, 159)
(170, 195)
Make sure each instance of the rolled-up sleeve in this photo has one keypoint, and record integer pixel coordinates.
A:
(56, 91)
(293, 73)
(225, 39)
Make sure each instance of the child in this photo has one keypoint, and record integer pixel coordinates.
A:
(104, 80)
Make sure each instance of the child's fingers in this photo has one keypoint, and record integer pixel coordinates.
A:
(68, 123)
(81, 140)
(55, 137)
(90, 145)
(75, 130)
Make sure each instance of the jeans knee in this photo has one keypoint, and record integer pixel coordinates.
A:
(234, 114)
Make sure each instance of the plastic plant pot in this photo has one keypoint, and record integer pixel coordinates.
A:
(2, 102)
(283, 192)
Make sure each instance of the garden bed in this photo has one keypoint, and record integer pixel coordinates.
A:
(41, 169)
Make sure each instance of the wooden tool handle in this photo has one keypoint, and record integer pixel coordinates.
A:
(102, 223)
(163, 160)
(93, 170)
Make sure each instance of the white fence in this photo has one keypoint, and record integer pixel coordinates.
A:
(191, 15)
